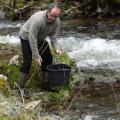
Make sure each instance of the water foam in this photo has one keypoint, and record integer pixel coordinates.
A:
(92, 51)
(9, 39)
(8, 26)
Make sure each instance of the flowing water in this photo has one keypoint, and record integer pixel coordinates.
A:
(95, 46)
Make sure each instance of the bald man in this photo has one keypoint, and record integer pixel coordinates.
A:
(33, 41)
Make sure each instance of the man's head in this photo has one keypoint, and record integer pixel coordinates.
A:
(53, 12)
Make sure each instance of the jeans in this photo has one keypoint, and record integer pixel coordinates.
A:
(44, 52)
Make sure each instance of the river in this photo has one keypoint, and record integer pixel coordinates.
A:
(92, 45)
(95, 46)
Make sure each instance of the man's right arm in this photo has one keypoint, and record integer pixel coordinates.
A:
(33, 32)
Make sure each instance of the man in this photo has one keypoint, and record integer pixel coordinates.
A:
(33, 34)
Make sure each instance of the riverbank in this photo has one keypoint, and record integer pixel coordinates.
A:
(23, 9)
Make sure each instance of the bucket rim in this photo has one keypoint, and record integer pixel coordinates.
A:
(68, 69)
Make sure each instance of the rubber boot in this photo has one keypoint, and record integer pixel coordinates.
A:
(21, 84)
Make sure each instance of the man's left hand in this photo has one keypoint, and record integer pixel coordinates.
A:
(58, 52)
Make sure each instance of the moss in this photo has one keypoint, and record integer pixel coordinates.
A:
(35, 78)
(20, 3)
(54, 97)
(31, 3)
(1, 83)
(116, 1)
(59, 99)
(12, 15)
(13, 74)
(50, 1)
(3, 118)
(4, 88)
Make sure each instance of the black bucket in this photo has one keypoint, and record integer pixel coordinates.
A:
(58, 74)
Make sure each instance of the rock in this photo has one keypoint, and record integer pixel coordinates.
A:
(47, 118)
(6, 109)
(32, 105)
(2, 15)
(14, 60)
(105, 79)
(66, 95)
(4, 87)
(12, 109)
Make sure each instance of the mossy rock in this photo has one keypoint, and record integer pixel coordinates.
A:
(4, 87)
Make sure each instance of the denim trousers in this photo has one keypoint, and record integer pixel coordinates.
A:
(44, 52)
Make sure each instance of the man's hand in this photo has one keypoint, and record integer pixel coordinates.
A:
(58, 52)
(39, 61)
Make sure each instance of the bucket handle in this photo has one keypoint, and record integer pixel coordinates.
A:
(57, 59)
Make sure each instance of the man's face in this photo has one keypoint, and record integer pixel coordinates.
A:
(53, 14)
